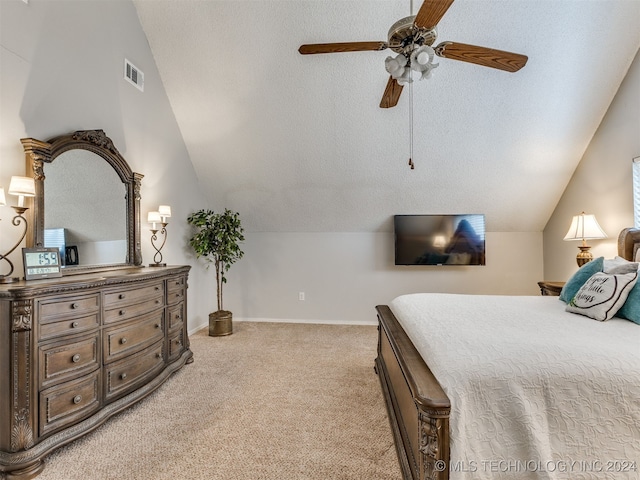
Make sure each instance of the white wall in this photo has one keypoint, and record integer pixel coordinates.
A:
(62, 70)
(602, 183)
(345, 275)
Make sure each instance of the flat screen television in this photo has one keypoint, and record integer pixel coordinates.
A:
(439, 239)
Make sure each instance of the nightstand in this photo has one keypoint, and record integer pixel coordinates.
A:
(551, 288)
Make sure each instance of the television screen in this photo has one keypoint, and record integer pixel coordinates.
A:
(439, 239)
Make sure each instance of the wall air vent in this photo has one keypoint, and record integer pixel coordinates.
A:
(133, 75)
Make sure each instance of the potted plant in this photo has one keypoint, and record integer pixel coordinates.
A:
(217, 239)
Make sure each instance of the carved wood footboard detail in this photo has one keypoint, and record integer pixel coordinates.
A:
(417, 406)
(434, 431)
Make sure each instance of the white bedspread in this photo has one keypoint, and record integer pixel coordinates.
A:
(536, 392)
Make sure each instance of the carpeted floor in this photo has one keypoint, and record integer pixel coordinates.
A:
(273, 401)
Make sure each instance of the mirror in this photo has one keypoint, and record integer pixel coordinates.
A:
(87, 201)
(86, 209)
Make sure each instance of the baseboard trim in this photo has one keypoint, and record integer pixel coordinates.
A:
(306, 320)
(292, 320)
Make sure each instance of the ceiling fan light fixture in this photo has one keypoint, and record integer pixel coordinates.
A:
(405, 77)
(422, 61)
(427, 74)
(395, 66)
(419, 60)
(422, 58)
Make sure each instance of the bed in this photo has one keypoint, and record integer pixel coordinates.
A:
(566, 406)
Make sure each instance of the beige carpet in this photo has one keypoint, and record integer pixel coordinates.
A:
(272, 401)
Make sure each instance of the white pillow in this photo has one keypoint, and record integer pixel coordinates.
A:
(602, 295)
(626, 267)
(618, 265)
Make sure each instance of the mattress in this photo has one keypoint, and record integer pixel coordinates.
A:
(536, 392)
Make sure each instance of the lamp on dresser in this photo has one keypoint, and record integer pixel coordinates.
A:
(164, 212)
(584, 227)
(20, 187)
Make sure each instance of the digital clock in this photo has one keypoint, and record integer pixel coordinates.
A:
(41, 262)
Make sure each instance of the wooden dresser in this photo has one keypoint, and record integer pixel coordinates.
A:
(78, 349)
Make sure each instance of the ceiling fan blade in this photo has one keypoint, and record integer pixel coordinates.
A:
(313, 48)
(431, 12)
(487, 57)
(391, 94)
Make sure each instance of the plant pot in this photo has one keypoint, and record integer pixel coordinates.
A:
(220, 323)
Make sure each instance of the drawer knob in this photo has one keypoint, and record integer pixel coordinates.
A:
(121, 296)
(121, 312)
(157, 302)
(158, 325)
(77, 399)
(74, 305)
(177, 342)
(123, 340)
(123, 376)
(75, 358)
(157, 288)
(177, 317)
(74, 325)
(158, 355)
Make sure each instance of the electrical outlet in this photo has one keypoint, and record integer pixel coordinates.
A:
(301, 296)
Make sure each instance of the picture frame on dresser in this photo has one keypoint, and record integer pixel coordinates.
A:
(77, 350)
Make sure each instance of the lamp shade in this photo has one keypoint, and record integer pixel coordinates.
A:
(584, 227)
(24, 186)
(3, 200)
(154, 217)
(164, 210)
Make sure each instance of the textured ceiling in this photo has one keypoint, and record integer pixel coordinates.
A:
(299, 144)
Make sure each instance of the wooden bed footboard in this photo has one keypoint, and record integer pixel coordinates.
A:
(418, 408)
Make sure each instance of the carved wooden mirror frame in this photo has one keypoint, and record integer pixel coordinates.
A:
(38, 153)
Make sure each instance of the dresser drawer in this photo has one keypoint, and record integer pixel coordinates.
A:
(52, 309)
(120, 341)
(69, 326)
(70, 359)
(176, 345)
(176, 296)
(176, 316)
(126, 375)
(126, 312)
(176, 284)
(69, 402)
(122, 297)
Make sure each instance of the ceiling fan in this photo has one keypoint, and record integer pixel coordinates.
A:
(411, 37)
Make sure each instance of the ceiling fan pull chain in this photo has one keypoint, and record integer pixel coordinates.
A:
(411, 126)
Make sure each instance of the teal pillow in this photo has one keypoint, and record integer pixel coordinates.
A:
(579, 278)
(631, 308)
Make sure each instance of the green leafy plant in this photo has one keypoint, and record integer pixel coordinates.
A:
(217, 239)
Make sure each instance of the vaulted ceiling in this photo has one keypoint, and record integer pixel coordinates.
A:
(299, 144)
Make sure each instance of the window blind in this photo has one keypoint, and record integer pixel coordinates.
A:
(636, 192)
